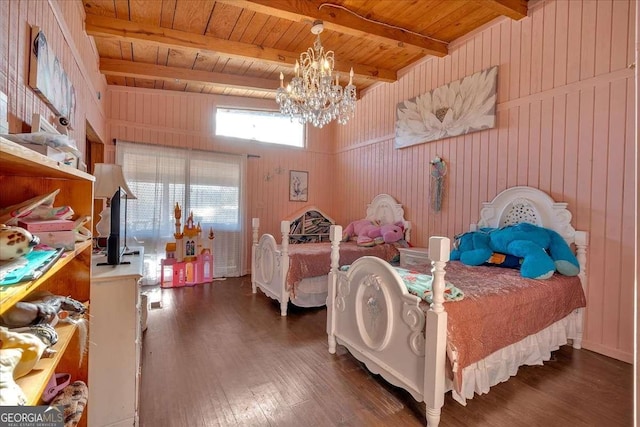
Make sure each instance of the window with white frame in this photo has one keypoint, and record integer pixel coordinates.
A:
(263, 126)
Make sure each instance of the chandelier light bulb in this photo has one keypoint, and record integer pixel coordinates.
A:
(311, 96)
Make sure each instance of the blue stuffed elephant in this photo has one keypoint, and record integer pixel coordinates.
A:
(543, 251)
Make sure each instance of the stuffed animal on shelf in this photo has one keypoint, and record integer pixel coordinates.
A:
(543, 251)
(371, 233)
(15, 242)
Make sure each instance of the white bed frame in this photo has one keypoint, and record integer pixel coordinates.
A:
(370, 312)
(270, 261)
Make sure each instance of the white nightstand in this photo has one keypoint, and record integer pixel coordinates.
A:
(414, 256)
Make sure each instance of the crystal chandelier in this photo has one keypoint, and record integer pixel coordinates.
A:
(314, 95)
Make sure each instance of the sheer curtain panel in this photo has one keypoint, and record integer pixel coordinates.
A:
(206, 183)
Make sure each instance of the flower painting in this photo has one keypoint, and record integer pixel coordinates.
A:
(458, 108)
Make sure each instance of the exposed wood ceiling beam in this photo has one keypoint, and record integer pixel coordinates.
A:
(123, 30)
(118, 67)
(514, 9)
(342, 21)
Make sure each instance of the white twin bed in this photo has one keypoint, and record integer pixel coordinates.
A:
(298, 273)
(429, 349)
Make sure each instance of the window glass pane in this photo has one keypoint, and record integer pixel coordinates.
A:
(214, 192)
(263, 126)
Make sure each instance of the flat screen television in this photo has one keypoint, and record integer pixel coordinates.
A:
(118, 229)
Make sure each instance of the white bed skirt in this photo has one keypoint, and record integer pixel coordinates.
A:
(503, 364)
(311, 292)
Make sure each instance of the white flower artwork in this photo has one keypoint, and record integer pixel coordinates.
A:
(458, 108)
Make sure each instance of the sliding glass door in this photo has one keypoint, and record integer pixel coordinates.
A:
(208, 184)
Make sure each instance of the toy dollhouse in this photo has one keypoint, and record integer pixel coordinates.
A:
(190, 257)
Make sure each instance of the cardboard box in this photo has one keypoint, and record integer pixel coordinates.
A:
(39, 225)
(58, 239)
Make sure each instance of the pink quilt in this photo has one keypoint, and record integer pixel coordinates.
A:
(314, 259)
(501, 308)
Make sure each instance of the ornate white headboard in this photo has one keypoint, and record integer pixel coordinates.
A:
(527, 204)
(385, 209)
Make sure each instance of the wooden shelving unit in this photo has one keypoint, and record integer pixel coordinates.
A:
(310, 225)
(24, 174)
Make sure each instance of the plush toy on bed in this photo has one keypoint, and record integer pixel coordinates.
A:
(543, 251)
(370, 233)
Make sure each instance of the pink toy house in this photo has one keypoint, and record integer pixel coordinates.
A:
(190, 257)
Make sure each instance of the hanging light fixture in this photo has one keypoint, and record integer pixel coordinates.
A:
(314, 95)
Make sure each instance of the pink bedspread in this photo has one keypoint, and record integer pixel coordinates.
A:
(501, 308)
(314, 259)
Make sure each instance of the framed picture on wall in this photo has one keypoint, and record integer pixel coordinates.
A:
(298, 186)
(48, 79)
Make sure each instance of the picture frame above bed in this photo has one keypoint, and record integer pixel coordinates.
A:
(298, 186)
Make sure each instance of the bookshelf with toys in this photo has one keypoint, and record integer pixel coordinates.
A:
(26, 174)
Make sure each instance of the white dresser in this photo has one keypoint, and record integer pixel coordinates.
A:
(115, 338)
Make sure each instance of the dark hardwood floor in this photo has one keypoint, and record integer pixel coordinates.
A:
(218, 355)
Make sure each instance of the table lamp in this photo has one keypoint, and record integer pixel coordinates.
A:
(108, 178)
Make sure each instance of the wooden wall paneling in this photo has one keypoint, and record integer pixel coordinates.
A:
(620, 35)
(458, 166)
(546, 141)
(537, 34)
(574, 39)
(558, 145)
(634, 27)
(525, 57)
(548, 45)
(512, 148)
(603, 46)
(522, 156)
(571, 143)
(629, 225)
(588, 45)
(474, 175)
(615, 144)
(514, 61)
(596, 295)
(560, 48)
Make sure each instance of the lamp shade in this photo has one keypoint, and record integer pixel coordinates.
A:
(108, 178)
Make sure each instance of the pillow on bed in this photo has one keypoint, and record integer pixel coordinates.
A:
(504, 260)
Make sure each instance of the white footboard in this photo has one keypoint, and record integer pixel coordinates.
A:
(270, 263)
(371, 313)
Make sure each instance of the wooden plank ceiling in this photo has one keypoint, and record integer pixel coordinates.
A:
(238, 47)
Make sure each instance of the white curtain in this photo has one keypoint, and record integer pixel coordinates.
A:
(206, 183)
